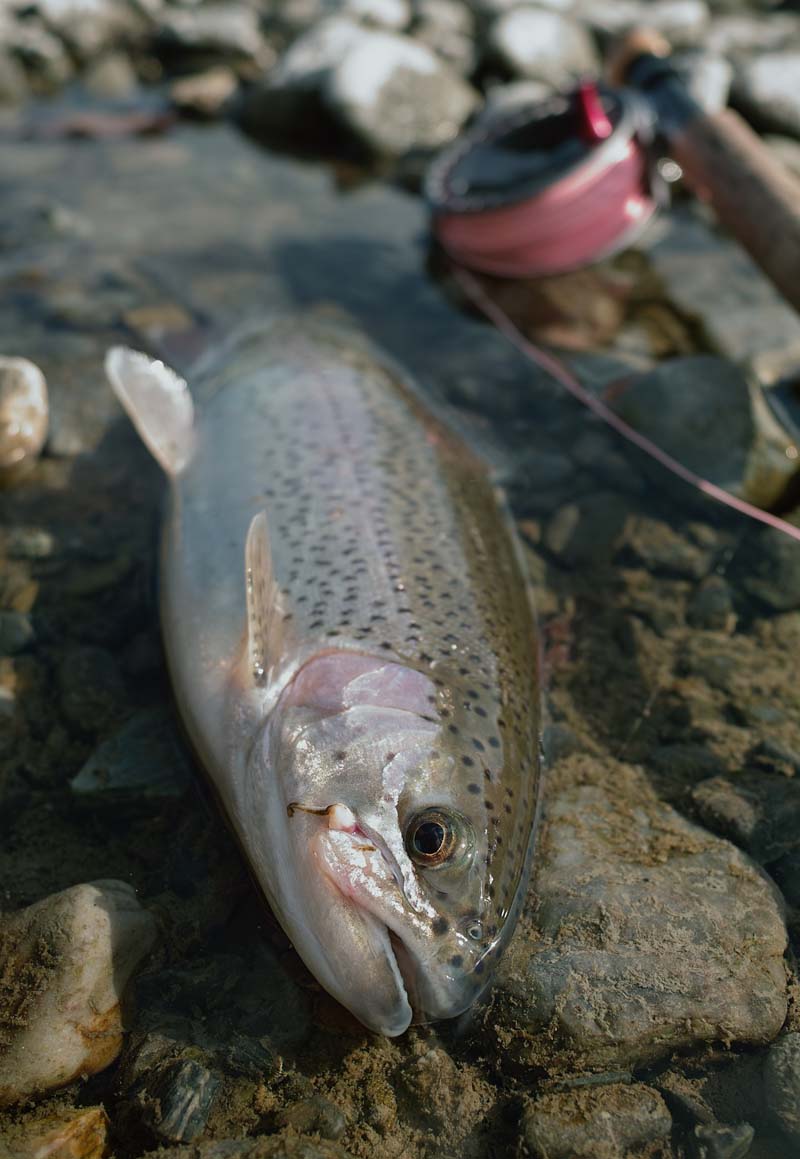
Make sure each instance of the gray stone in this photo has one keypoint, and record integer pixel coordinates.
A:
(228, 30)
(13, 85)
(24, 415)
(712, 281)
(45, 58)
(602, 1122)
(769, 85)
(90, 27)
(663, 550)
(770, 571)
(682, 22)
(177, 1100)
(588, 530)
(651, 934)
(395, 94)
(707, 76)
(112, 76)
(144, 760)
(713, 419)
(205, 95)
(447, 27)
(711, 606)
(543, 45)
(16, 632)
(391, 14)
(314, 1116)
(782, 1084)
(721, 1141)
(742, 34)
(91, 691)
(506, 98)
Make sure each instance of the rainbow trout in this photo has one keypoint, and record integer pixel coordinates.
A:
(354, 654)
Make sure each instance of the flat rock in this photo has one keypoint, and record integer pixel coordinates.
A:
(24, 413)
(769, 85)
(782, 1084)
(543, 45)
(711, 280)
(713, 419)
(653, 935)
(395, 94)
(81, 1134)
(144, 760)
(603, 1122)
(64, 963)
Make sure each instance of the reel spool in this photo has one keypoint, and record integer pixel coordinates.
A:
(547, 188)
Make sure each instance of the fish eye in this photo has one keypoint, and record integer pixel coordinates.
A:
(474, 930)
(435, 837)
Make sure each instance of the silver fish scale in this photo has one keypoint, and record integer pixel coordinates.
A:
(387, 539)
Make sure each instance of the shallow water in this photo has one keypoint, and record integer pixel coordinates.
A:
(671, 633)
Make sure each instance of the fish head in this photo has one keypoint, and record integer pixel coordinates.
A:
(381, 860)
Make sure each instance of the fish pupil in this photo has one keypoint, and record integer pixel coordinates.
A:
(428, 838)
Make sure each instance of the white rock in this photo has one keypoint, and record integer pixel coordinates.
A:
(314, 54)
(394, 14)
(395, 94)
(23, 414)
(227, 29)
(543, 45)
(502, 99)
(770, 86)
(64, 964)
(683, 22)
(707, 76)
(746, 34)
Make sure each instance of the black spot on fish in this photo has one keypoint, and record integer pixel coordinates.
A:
(440, 925)
(473, 788)
(456, 960)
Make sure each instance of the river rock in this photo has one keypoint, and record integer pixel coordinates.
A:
(176, 1100)
(782, 1084)
(769, 86)
(704, 412)
(46, 60)
(543, 45)
(395, 94)
(314, 1116)
(506, 98)
(90, 27)
(81, 1134)
(23, 416)
(144, 760)
(226, 30)
(707, 76)
(111, 76)
(651, 934)
(16, 632)
(722, 1141)
(740, 35)
(448, 27)
(603, 1122)
(682, 22)
(770, 570)
(13, 84)
(64, 963)
(204, 95)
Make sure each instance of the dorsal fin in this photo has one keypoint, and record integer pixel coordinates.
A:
(264, 607)
(158, 402)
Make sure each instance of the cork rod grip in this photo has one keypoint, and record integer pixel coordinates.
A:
(753, 195)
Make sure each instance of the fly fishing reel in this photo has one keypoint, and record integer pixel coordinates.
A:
(548, 188)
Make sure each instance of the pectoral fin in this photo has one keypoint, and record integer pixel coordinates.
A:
(265, 621)
(158, 403)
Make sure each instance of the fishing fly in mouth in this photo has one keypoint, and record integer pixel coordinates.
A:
(353, 651)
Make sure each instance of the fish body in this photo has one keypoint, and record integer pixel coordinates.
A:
(353, 650)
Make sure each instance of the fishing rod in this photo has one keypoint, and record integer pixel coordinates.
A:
(553, 187)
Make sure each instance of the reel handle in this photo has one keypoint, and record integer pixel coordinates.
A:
(724, 162)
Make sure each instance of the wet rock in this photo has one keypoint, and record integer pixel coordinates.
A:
(391, 14)
(89, 27)
(713, 282)
(707, 76)
(144, 760)
(663, 550)
(395, 94)
(253, 1058)
(314, 1116)
(446, 1096)
(653, 935)
(16, 633)
(81, 1134)
(206, 94)
(92, 693)
(64, 963)
(728, 809)
(682, 22)
(23, 416)
(721, 1141)
(111, 76)
(227, 30)
(285, 1145)
(711, 606)
(769, 85)
(588, 530)
(603, 1122)
(13, 84)
(782, 1084)
(45, 58)
(176, 1101)
(506, 98)
(543, 45)
(713, 419)
(447, 27)
(770, 570)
